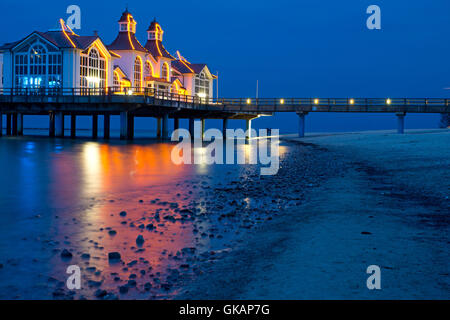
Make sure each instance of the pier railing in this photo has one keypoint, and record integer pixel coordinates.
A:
(261, 105)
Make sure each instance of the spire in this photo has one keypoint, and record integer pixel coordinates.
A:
(127, 22)
(155, 32)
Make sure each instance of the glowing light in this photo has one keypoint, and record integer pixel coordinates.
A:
(316, 101)
(130, 92)
(388, 101)
(63, 28)
(93, 79)
(129, 32)
(249, 101)
(281, 101)
(352, 101)
(201, 95)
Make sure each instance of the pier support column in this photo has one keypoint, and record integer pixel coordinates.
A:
(401, 122)
(248, 128)
(8, 124)
(94, 126)
(1, 124)
(130, 127)
(51, 124)
(59, 124)
(106, 126)
(176, 126)
(14, 124)
(158, 128)
(301, 123)
(202, 133)
(191, 127)
(224, 128)
(165, 127)
(20, 124)
(73, 126)
(123, 125)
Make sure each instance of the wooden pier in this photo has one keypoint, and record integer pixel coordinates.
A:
(57, 103)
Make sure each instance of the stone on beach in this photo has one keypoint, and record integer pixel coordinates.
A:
(66, 254)
(114, 256)
(140, 240)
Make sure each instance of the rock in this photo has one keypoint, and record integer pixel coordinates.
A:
(123, 289)
(366, 232)
(131, 283)
(112, 232)
(114, 256)
(100, 293)
(147, 286)
(123, 214)
(96, 284)
(86, 256)
(150, 227)
(140, 240)
(66, 254)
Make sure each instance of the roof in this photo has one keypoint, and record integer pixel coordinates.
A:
(125, 15)
(150, 78)
(59, 39)
(157, 49)
(126, 41)
(182, 67)
(154, 25)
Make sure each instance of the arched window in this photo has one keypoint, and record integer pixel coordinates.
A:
(92, 70)
(148, 69)
(165, 72)
(138, 73)
(37, 67)
(116, 82)
(202, 85)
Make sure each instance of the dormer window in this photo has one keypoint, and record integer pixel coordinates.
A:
(124, 27)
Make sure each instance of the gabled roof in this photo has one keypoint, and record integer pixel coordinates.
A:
(182, 67)
(58, 38)
(157, 49)
(120, 71)
(126, 41)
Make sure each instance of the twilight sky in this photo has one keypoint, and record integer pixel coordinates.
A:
(303, 48)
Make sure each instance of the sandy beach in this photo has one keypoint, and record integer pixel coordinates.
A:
(386, 203)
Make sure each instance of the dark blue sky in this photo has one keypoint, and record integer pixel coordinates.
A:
(297, 48)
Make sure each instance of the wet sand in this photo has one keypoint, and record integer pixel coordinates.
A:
(386, 203)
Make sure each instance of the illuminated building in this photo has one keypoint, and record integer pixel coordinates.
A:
(60, 58)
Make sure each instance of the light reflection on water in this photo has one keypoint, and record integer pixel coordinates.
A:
(59, 194)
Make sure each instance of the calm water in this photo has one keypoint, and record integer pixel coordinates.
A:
(67, 194)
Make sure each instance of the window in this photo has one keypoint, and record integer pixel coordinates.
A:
(116, 82)
(138, 73)
(37, 68)
(165, 72)
(202, 84)
(148, 69)
(92, 70)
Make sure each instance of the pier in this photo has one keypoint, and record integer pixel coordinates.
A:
(74, 102)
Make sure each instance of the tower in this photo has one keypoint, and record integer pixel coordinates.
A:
(127, 23)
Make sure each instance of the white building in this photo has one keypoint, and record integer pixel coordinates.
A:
(62, 59)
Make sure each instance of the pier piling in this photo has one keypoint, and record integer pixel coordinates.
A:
(224, 128)
(176, 126)
(191, 127)
(94, 126)
(123, 125)
(248, 128)
(401, 122)
(73, 126)
(1, 124)
(8, 124)
(106, 126)
(165, 126)
(301, 124)
(59, 124)
(51, 125)
(14, 124)
(20, 124)
(158, 128)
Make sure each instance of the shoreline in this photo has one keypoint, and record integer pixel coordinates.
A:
(374, 211)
